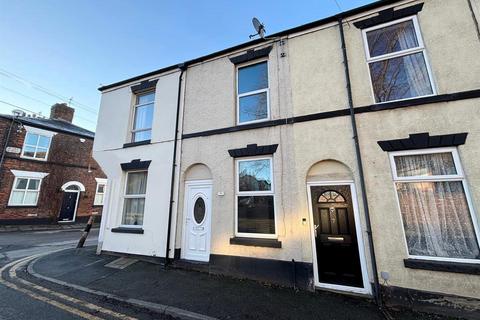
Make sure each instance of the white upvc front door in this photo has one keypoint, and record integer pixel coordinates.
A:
(198, 211)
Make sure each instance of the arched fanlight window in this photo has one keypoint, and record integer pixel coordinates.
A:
(331, 197)
(73, 186)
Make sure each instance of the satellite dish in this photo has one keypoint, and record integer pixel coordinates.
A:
(259, 27)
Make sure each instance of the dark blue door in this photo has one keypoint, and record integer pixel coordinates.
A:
(67, 211)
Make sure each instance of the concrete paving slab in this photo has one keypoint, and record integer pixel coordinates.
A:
(121, 263)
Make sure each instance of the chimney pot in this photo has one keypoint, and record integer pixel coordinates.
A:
(61, 111)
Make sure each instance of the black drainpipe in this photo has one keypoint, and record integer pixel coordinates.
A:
(182, 68)
(14, 118)
(360, 167)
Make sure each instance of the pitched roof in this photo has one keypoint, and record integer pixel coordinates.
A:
(53, 125)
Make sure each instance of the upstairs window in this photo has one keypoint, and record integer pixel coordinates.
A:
(252, 93)
(255, 198)
(36, 144)
(143, 117)
(397, 61)
(435, 205)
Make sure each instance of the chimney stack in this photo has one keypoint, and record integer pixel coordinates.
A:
(61, 111)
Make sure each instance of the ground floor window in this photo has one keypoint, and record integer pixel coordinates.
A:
(437, 216)
(255, 200)
(25, 191)
(26, 188)
(134, 198)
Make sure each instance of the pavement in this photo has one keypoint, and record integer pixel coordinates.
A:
(187, 294)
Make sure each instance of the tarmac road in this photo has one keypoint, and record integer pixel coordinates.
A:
(21, 299)
(15, 245)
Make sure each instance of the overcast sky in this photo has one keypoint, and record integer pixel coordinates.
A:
(57, 49)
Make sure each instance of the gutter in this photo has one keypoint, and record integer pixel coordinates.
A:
(25, 121)
(376, 291)
(182, 68)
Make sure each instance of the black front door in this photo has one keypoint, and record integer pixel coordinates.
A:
(67, 211)
(338, 260)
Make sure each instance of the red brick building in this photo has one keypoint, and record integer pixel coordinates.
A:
(47, 173)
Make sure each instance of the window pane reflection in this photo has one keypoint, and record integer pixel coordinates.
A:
(251, 78)
(31, 139)
(400, 78)
(146, 98)
(253, 107)
(397, 37)
(256, 214)
(142, 135)
(144, 117)
(254, 175)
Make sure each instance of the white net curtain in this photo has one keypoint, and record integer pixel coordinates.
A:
(436, 215)
(135, 198)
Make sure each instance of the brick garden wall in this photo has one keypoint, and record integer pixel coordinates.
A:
(69, 159)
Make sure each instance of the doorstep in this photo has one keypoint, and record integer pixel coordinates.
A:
(191, 265)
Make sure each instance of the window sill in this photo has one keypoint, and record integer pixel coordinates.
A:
(19, 206)
(138, 143)
(33, 158)
(246, 123)
(446, 266)
(127, 230)
(256, 242)
(379, 103)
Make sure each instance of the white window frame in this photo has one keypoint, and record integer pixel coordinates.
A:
(239, 193)
(134, 115)
(250, 93)
(100, 181)
(40, 132)
(29, 176)
(132, 196)
(438, 178)
(419, 49)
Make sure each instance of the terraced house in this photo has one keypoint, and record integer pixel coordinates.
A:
(47, 173)
(340, 155)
